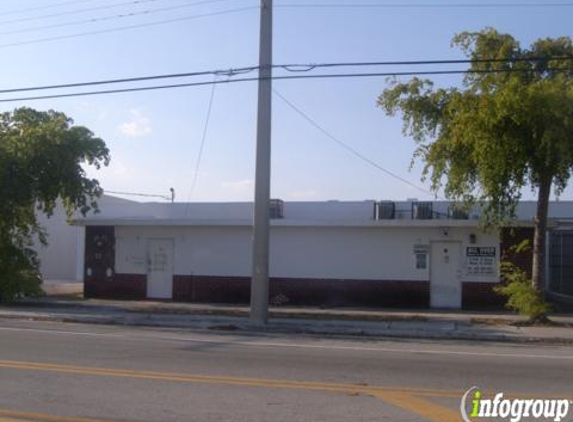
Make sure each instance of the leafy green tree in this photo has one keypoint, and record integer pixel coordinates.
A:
(41, 158)
(508, 126)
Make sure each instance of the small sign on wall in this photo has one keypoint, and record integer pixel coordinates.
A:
(481, 260)
(421, 256)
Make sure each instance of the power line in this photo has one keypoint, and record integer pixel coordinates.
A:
(346, 146)
(113, 17)
(417, 73)
(124, 90)
(146, 195)
(289, 77)
(125, 28)
(312, 66)
(78, 11)
(419, 5)
(288, 67)
(202, 145)
(228, 72)
(50, 6)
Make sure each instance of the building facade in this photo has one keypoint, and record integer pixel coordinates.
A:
(368, 253)
(62, 259)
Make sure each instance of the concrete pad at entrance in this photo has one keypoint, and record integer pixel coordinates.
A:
(62, 287)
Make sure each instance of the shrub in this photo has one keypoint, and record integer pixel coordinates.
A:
(19, 275)
(522, 296)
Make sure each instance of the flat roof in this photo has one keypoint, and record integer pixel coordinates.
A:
(300, 214)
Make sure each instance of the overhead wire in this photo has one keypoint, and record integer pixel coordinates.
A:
(405, 5)
(202, 144)
(49, 6)
(228, 72)
(288, 67)
(279, 5)
(305, 67)
(287, 77)
(346, 146)
(124, 90)
(128, 27)
(79, 11)
(146, 12)
(143, 195)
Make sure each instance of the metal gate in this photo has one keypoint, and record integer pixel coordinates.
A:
(561, 262)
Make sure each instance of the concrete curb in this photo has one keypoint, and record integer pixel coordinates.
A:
(334, 329)
(286, 313)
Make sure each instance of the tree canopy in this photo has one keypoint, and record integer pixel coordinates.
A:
(41, 158)
(509, 126)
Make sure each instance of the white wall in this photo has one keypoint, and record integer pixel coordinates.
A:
(297, 252)
(62, 260)
(223, 251)
(363, 253)
(59, 259)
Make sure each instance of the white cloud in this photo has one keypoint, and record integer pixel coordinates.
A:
(239, 186)
(138, 126)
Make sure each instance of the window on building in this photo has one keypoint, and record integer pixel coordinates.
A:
(421, 261)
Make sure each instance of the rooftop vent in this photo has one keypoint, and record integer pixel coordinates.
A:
(422, 211)
(276, 208)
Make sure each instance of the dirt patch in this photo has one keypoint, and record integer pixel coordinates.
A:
(179, 311)
(549, 323)
(521, 323)
(349, 317)
(223, 327)
(490, 321)
(322, 316)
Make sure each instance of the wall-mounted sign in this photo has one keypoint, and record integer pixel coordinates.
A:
(481, 260)
(488, 251)
(421, 249)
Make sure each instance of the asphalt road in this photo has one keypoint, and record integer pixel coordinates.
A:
(55, 372)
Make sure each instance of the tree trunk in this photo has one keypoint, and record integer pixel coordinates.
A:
(538, 268)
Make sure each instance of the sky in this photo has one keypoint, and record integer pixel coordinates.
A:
(155, 137)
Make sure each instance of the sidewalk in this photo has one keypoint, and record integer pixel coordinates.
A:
(370, 323)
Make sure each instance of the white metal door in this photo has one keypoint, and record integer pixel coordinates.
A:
(160, 268)
(445, 282)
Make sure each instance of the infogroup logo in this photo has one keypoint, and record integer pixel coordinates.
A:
(475, 407)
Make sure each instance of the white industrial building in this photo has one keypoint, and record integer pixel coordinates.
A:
(62, 260)
(329, 253)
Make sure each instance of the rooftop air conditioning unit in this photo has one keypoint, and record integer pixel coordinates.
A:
(276, 208)
(422, 211)
(385, 210)
(458, 213)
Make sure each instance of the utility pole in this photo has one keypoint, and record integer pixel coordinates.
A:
(260, 276)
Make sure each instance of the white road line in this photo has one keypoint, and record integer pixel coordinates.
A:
(73, 333)
(370, 349)
(296, 345)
